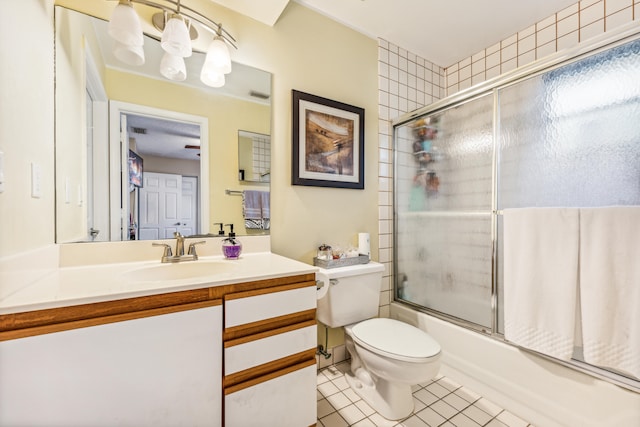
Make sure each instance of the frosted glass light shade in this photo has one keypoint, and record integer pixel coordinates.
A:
(124, 25)
(129, 54)
(211, 77)
(173, 68)
(218, 57)
(175, 37)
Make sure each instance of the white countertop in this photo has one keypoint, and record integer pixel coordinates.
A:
(68, 286)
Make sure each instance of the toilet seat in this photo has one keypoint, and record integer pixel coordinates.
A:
(395, 339)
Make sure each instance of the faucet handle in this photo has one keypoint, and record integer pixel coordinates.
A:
(167, 249)
(177, 235)
(192, 248)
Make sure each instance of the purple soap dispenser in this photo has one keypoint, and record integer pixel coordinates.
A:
(231, 247)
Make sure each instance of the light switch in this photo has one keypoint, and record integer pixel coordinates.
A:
(36, 181)
(1, 171)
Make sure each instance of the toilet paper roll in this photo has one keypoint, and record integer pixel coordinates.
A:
(364, 247)
(322, 279)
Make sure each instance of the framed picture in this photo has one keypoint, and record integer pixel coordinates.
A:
(135, 169)
(328, 143)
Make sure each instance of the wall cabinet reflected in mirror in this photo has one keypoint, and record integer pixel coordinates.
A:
(94, 201)
(254, 157)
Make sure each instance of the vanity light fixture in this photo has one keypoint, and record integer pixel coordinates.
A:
(175, 21)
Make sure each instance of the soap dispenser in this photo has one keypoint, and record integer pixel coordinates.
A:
(231, 247)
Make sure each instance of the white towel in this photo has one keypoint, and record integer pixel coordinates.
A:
(610, 287)
(252, 204)
(541, 278)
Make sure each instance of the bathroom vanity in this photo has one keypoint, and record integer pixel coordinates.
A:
(102, 345)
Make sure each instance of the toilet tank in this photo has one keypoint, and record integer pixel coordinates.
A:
(352, 294)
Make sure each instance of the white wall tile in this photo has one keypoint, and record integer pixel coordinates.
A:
(509, 41)
(527, 44)
(383, 69)
(477, 67)
(636, 11)
(526, 58)
(546, 35)
(592, 13)
(568, 25)
(383, 54)
(478, 78)
(586, 3)
(464, 63)
(546, 49)
(571, 10)
(568, 41)
(526, 32)
(493, 60)
(493, 49)
(509, 52)
(509, 65)
(464, 84)
(613, 6)
(465, 73)
(619, 18)
(546, 22)
(478, 56)
(592, 30)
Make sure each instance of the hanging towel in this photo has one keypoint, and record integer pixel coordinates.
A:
(610, 287)
(541, 278)
(252, 209)
(266, 209)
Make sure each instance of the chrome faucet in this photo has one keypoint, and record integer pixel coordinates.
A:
(167, 255)
(179, 243)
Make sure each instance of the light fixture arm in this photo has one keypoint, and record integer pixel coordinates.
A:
(175, 6)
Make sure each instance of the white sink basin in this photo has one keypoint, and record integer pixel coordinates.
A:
(179, 271)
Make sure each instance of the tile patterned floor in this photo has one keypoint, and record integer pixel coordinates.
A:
(440, 402)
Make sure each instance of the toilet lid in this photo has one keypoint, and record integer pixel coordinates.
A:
(395, 339)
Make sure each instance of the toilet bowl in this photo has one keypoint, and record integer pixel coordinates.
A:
(387, 356)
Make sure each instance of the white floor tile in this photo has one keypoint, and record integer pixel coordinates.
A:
(380, 421)
(352, 395)
(461, 420)
(456, 401)
(364, 423)
(441, 402)
(365, 408)
(444, 409)
(324, 408)
(438, 390)
(327, 389)
(341, 383)
(334, 420)
(477, 414)
(413, 422)
(339, 400)
(426, 397)
(431, 417)
(351, 414)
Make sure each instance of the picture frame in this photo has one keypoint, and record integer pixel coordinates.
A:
(135, 170)
(328, 143)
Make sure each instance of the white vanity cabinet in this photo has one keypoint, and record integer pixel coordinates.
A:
(269, 352)
(162, 370)
(237, 355)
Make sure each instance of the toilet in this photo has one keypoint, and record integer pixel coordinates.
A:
(387, 356)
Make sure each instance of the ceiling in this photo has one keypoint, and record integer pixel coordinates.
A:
(443, 32)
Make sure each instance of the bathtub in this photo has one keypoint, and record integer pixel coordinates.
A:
(538, 390)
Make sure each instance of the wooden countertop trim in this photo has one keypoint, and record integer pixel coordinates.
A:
(268, 371)
(269, 333)
(103, 320)
(263, 291)
(261, 326)
(75, 313)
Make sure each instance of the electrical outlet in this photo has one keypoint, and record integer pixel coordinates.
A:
(36, 180)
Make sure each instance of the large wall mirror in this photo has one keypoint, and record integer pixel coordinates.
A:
(139, 156)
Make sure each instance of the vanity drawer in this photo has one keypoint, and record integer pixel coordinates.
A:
(285, 399)
(251, 307)
(256, 350)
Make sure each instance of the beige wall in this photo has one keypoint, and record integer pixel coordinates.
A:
(26, 124)
(304, 51)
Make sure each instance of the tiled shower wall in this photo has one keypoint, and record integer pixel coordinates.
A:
(407, 82)
(562, 30)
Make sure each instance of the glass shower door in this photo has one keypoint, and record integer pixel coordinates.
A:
(443, 211)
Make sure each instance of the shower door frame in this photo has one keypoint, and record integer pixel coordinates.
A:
(604, 42)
